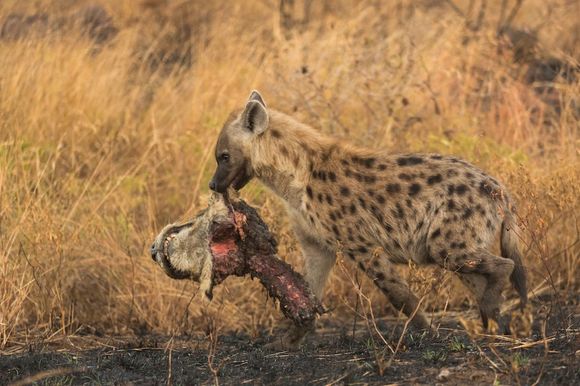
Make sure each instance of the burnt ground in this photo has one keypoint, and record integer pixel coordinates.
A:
(333, 356)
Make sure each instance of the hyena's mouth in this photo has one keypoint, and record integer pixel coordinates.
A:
(162, 250)
(241, 179)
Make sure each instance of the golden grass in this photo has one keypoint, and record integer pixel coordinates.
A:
(98, 152)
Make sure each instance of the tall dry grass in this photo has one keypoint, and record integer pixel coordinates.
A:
(101, 144)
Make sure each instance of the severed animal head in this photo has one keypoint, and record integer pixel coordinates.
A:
(182, 249)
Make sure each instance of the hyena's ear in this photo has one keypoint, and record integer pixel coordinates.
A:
(255, 96)
(255, 117)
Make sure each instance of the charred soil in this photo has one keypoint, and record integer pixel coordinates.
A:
(335, 355)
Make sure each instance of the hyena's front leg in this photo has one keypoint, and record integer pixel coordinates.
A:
(382, 272)
(318, 262)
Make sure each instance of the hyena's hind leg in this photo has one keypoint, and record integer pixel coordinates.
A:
(476, 283)
(382, 272)
(496, 270)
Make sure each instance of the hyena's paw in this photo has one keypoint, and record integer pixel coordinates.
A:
(291, 340)
(501, 323)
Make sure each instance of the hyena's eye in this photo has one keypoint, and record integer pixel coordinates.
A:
(224, 157)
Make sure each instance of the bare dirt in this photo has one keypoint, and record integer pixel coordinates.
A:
(333, 356)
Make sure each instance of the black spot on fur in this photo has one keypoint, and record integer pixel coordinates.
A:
(393, 188)
(409, 203)
(485, 188)
(436, 233)
(370, 179)
(320, 175)
(362, 202)
(332, 216)
(443, 254)
(450, 189)
(320, 197)
(461, 189)
(448, 235)
(309, 192)
(436, 156)
(409, 161)
(452, 173)
(420, 225)
(434, 179)
(370, 193)
(335, 230)
(397, 245)
(352, 208)
(388, 227)
(344, 162)
(376, 263)
(284, 151)
(275, 133)
(467, 213)
(469, 175)
(489, 224)
(382, 167)
(311, 219)
(329, 199)
(414, 189)
(380, 199)
(368, 162)
(351, 255)
(405, 177)
(380, 276)
(450, 204)
(332, 176)
(377, 213)
(344, 190)
(399, 213)
(362, 249)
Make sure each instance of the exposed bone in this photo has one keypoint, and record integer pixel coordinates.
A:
(231, 239)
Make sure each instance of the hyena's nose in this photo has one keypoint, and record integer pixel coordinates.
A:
(212, 185)
(153, 251)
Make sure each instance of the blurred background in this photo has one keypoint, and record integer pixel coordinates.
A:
(109, 111)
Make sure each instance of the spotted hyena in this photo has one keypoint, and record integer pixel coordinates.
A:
(378, 208)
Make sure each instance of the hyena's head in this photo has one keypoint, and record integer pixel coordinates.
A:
(232, 151)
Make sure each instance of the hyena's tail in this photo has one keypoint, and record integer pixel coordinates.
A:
(510, 250)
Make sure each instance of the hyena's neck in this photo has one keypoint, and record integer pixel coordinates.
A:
(284, 156)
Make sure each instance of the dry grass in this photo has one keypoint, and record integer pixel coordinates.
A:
(100, 147)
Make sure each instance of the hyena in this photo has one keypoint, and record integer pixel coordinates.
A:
(379, 209)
